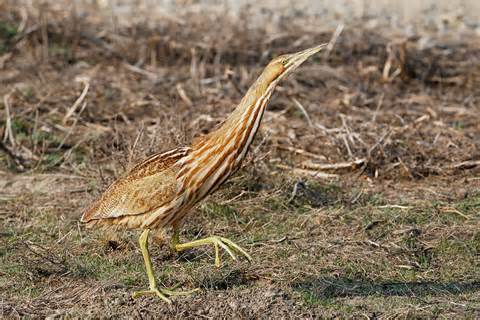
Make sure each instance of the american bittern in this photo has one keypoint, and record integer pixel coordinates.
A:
(160, 191)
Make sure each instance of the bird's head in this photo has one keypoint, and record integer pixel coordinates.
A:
(285, 64)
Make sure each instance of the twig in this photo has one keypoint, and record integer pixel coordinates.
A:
(67, 153)
(344, 138)
(372, 243)
(23, 22)
(238, 196)
(379, 105)
(386, 68)
(301, 152)
(282, 239)
(134, 146)
(357, 197)
(316, 174)
(76, 103)
(302, 109)
(183, 95)
(150, 75)
(328, 130)
(333, 40)
(456, 211)
(295, 190)
(470, 164)
(392, 57)
(72, 127)
(257, 148)
(403, 266)
(379, 141)
(334, 166)
(347, 129)
(393, 206)
(4, 58)
(16, 158)
(369, 153)
(46, 257)
(8, 123)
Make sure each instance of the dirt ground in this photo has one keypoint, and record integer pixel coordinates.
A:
(360, 197)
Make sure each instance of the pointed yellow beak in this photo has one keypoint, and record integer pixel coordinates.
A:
(296, 59)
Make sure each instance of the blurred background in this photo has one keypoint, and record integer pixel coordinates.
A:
(397, 13)
(405, 15)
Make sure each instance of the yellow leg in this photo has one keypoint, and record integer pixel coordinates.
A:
(217, 242)
(161, 293)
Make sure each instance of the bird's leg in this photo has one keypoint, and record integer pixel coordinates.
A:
(217, 242)
(161, 293)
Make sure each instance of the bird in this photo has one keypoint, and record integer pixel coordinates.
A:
(160, 191)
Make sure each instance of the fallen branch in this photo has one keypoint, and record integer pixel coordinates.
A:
(76, 103)
(301, 152)
(314, 173)
(454, 210)
(464, 165)
(393, 206)
(334, 166)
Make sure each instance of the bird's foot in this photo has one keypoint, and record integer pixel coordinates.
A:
(229, 246)
(163, 293)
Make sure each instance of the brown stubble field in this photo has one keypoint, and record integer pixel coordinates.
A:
(359, 198)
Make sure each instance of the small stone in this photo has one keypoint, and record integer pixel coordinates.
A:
(233, 305)
(462, 193)
(270, 293)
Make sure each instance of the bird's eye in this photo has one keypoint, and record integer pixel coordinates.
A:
(284, 62)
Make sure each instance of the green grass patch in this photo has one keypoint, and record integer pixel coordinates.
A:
(214, 210)
(471, 205)
(108, 266)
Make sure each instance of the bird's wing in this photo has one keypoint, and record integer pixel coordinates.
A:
(148, 186)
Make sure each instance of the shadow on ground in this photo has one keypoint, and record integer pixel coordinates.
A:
(326, 288)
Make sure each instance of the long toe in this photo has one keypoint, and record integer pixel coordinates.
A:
(218, 242)
(162, 296)
(236, 248)
(163, 293)
(151, 292)
(172, 292)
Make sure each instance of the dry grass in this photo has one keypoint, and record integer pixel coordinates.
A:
(391, 231)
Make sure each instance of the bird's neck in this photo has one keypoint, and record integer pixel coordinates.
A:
(214, 157)
(239, 129)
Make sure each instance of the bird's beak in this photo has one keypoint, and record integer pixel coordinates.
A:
(296, 59)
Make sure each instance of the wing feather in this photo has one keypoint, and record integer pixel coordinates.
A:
(148, 186)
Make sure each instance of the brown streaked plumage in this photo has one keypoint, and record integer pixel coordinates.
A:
(160, 191)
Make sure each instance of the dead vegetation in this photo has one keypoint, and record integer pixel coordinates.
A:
(359, 198)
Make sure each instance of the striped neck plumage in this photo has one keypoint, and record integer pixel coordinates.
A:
(243, 123)
(214, 157)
